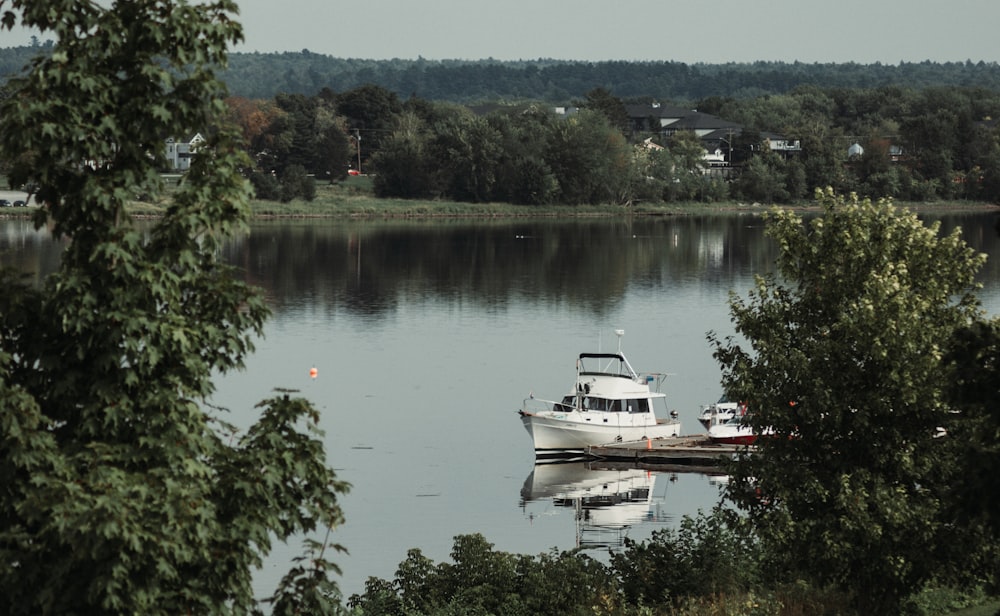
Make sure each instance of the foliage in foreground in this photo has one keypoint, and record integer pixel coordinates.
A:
(120, 493)
(483, 581)
(847, 365)
(708, 566)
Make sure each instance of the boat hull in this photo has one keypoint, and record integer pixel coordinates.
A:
(734, 432)
(554, 435)
(736, 439)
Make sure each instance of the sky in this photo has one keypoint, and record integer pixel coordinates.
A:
(864, 31)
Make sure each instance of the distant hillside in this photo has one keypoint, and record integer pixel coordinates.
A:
(257, 75)
(14, 59)
(262, 75)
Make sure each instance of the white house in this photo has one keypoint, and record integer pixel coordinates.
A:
(179, 151)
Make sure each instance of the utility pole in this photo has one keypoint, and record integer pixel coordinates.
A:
(357, 136)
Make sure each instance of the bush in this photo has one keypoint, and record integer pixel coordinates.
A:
(482, 581)
(708, 555)
(266, 186)
(296, 183)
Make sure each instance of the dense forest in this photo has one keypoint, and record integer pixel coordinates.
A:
(914, 145)
(263, 75)
(486, 131)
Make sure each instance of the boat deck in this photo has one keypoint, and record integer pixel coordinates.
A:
(689, 453)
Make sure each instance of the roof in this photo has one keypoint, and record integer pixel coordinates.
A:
(656, 110)
(723, 133)
(601, 356)
(702, 121)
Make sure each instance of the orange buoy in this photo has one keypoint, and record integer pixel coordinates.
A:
(313, 373)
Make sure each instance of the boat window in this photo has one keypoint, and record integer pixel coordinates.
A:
(615, 406)
(595, 404)
(640, 405)
(568, 404)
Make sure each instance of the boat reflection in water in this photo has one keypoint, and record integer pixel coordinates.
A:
(605, 502)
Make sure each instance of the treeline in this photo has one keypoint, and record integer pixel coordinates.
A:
(260, 75)
(909, 144)
(264, 75)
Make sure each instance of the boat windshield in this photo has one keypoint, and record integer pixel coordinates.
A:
(568, 404)
(637, 405)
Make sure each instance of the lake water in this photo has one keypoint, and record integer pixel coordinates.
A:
(427, 335)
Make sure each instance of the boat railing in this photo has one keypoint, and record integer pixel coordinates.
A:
(607, 364)
(535, 405)
(655, 380)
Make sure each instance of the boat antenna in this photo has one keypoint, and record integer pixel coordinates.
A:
(619, 333)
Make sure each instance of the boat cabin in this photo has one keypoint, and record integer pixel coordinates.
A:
(594, 403)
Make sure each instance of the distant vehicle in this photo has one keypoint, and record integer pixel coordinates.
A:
(20, 203)
(353, 172)
(4, 203)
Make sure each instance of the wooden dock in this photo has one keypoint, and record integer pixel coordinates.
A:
(687, 453)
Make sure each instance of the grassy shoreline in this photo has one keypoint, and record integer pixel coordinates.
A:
(354, 199)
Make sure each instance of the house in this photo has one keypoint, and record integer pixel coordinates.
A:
(716, 157)
(779, 144)
(648, 144)
(179, 151)
(716, 134)
(654, 117)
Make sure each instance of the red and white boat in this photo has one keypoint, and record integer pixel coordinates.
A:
(720, 412)
(735, 431)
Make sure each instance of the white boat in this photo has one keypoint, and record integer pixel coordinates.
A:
(720, 412)
(609, 403)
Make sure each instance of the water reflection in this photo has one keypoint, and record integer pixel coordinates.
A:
(370, 269)
(605, 501)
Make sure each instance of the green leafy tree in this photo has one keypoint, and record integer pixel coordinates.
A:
(687, 180)
(523, 174)
(121, 493)
(763, 179)
(480, 580)
(611, 107)
(372, 112)
(334, 151)
(402, 166)
(296, 184)
(587, 157)
(706, 556)
(465, 150)
(317, 138)
(843, 361)
(971, 487)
